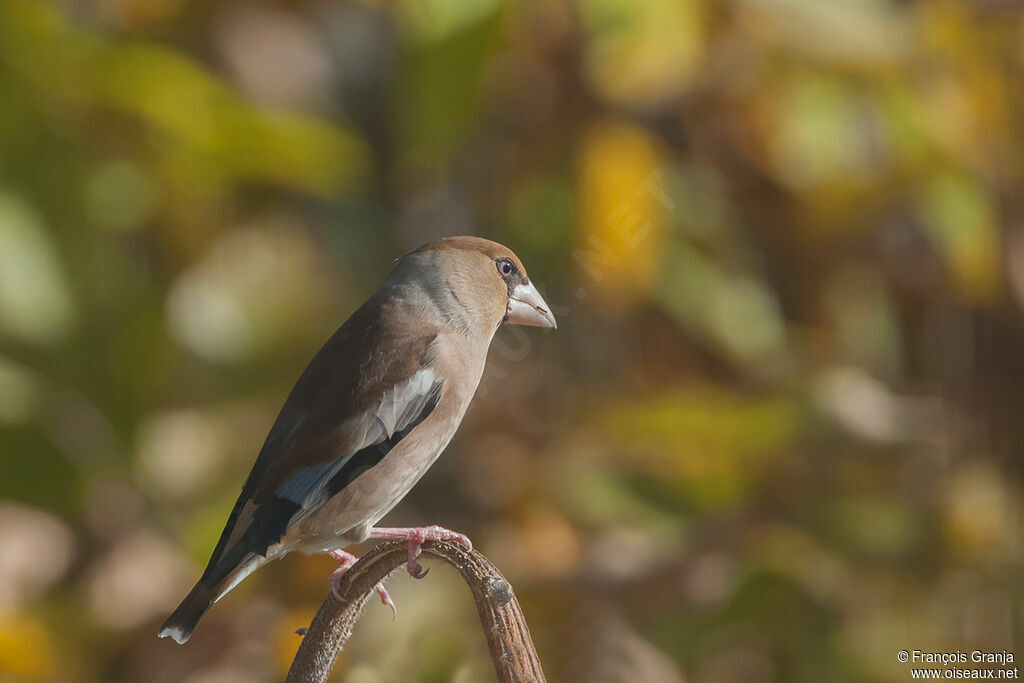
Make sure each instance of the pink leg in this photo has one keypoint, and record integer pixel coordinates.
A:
(416, 536)
(345, 561)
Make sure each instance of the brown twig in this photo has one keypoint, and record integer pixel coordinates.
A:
(508, 637)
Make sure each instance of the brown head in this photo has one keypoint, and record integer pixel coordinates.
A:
(476, 284)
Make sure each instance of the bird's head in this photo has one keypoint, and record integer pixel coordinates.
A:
(477, 283)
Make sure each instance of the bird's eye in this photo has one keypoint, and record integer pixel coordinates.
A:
(505, 267)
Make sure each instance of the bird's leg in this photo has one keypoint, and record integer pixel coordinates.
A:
(416, 536)
(345, 561)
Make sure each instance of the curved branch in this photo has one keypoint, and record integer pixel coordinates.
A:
(508, 637)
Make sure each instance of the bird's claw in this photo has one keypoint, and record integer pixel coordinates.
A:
(439, 533)
(335, 581)
(414, 568)
(346, 560)
(385, 598)
(416, 571)
(416, 537)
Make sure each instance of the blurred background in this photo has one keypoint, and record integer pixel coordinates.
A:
(776, 437)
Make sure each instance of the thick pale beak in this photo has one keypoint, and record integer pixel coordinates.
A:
(527, 307)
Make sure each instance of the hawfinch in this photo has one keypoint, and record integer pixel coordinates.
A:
(369, 414)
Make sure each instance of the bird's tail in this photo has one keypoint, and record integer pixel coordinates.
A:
(184, 619)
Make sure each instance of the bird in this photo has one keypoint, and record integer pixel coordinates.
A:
(371, 412)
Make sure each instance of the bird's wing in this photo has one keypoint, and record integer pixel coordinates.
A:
(383, 426)
(367, 388)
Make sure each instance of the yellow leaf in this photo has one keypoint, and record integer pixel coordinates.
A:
(26, 650)
(623, 209)
(962, 222)
(643, 51)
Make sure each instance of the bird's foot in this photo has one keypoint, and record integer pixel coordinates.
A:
(345, 561)
(416, 537)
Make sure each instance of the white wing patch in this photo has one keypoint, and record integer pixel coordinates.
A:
(400, 406)
(393, 413)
